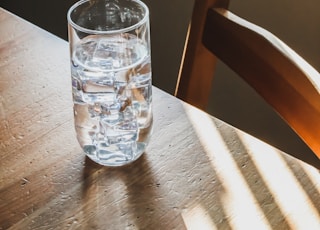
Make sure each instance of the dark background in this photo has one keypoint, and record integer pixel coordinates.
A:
(50, 15)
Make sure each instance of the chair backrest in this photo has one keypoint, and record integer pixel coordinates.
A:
(286, 81)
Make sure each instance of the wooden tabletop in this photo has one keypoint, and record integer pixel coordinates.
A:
(197, 172)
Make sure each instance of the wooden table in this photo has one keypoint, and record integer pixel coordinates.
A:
(197, 173)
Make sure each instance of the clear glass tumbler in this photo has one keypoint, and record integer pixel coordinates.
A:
(111, 78)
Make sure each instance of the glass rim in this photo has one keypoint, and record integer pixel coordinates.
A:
(90, 31)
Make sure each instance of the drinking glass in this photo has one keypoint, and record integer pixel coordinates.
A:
(111, 78)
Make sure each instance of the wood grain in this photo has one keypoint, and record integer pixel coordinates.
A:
(197, 171)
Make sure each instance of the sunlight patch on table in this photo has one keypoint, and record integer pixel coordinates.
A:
(313, 175)
(282, 183)
(238, 202)
(197, 218)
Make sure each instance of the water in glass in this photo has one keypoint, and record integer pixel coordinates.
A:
(111, 85)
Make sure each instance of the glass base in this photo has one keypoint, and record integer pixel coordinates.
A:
(123, 155)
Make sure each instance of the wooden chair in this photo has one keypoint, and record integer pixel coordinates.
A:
(286, 81)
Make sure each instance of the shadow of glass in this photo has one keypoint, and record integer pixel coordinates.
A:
(146, 202)
(129, 195)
